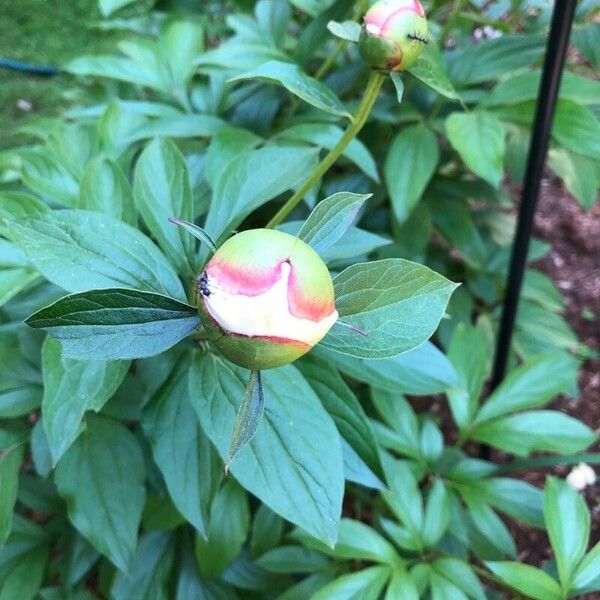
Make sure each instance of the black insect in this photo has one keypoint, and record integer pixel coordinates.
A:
(415, 37)
(202, 285)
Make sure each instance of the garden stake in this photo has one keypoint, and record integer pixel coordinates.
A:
(560, 29)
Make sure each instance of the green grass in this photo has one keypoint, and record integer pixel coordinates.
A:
(45, 32)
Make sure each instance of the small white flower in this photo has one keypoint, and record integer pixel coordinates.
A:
(24, 105)
(581, 476)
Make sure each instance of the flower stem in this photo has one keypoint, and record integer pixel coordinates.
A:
(359, 119)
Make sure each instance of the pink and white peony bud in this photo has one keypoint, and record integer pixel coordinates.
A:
(267, 298)
(393, 35)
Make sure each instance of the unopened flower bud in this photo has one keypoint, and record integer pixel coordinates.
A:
(266, 298)
(393, 34)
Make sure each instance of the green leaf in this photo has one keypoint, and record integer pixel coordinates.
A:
(431, 442)
(398, 85)
(18, 205)
(468, 352)
(267, 528)
(72, 387)
(525, 86)
(410, 163)
(81, 250)
(581, 174)
(81, 558)
(20, 381)
(328, 135)
(404, 497)
(355, 242)
(142, 67)
(398, 414)
(490, 525)
(26, 576)
(421, 371)
(346, 411)
(229, 522)
(251, 179)
(292, 559)
(73, 145)
(184, 455)
(248, 417)
(44, 174)
(437, 514)
(110, 6)
(442, 589)
(105, 189)
(101, 477)
(575, 126)
(181, 42)
(176, 126)
(461, 575)
(454, 220)
(541, 430)
(196, 231)
(316, 33)
(150, 571)
(11, 457)
(430, 70)
(14, 281)
(479, 139)
(239, 57)
(225, 146)
(401, 586)
(532, 384)
(294, 462)
(331, 218)
(588, 571)
(346, 30)
(490, 59)
(161, 190)
(361, 585)
(397, 303)
(116, 324)
(297, 82)
(514, 497)
(358, 541)
(567, 520)
(527, 580)
(586, 40)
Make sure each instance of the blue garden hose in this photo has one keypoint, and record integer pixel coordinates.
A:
(28, 68)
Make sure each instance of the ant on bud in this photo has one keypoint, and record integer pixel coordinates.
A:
(202, 285)
(415, 37)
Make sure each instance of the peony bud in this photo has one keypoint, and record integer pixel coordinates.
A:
(267, 298)
(393, 34)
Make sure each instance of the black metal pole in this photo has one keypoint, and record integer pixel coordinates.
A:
(558, 39)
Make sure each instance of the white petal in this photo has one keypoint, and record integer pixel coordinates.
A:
(267, 314)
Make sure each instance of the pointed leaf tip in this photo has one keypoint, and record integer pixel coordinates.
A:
(248, 417)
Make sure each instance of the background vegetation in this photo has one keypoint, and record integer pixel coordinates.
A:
(365, 479)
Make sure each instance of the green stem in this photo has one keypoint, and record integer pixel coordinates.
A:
(360, 117)
(540, 462)
(330, 60)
